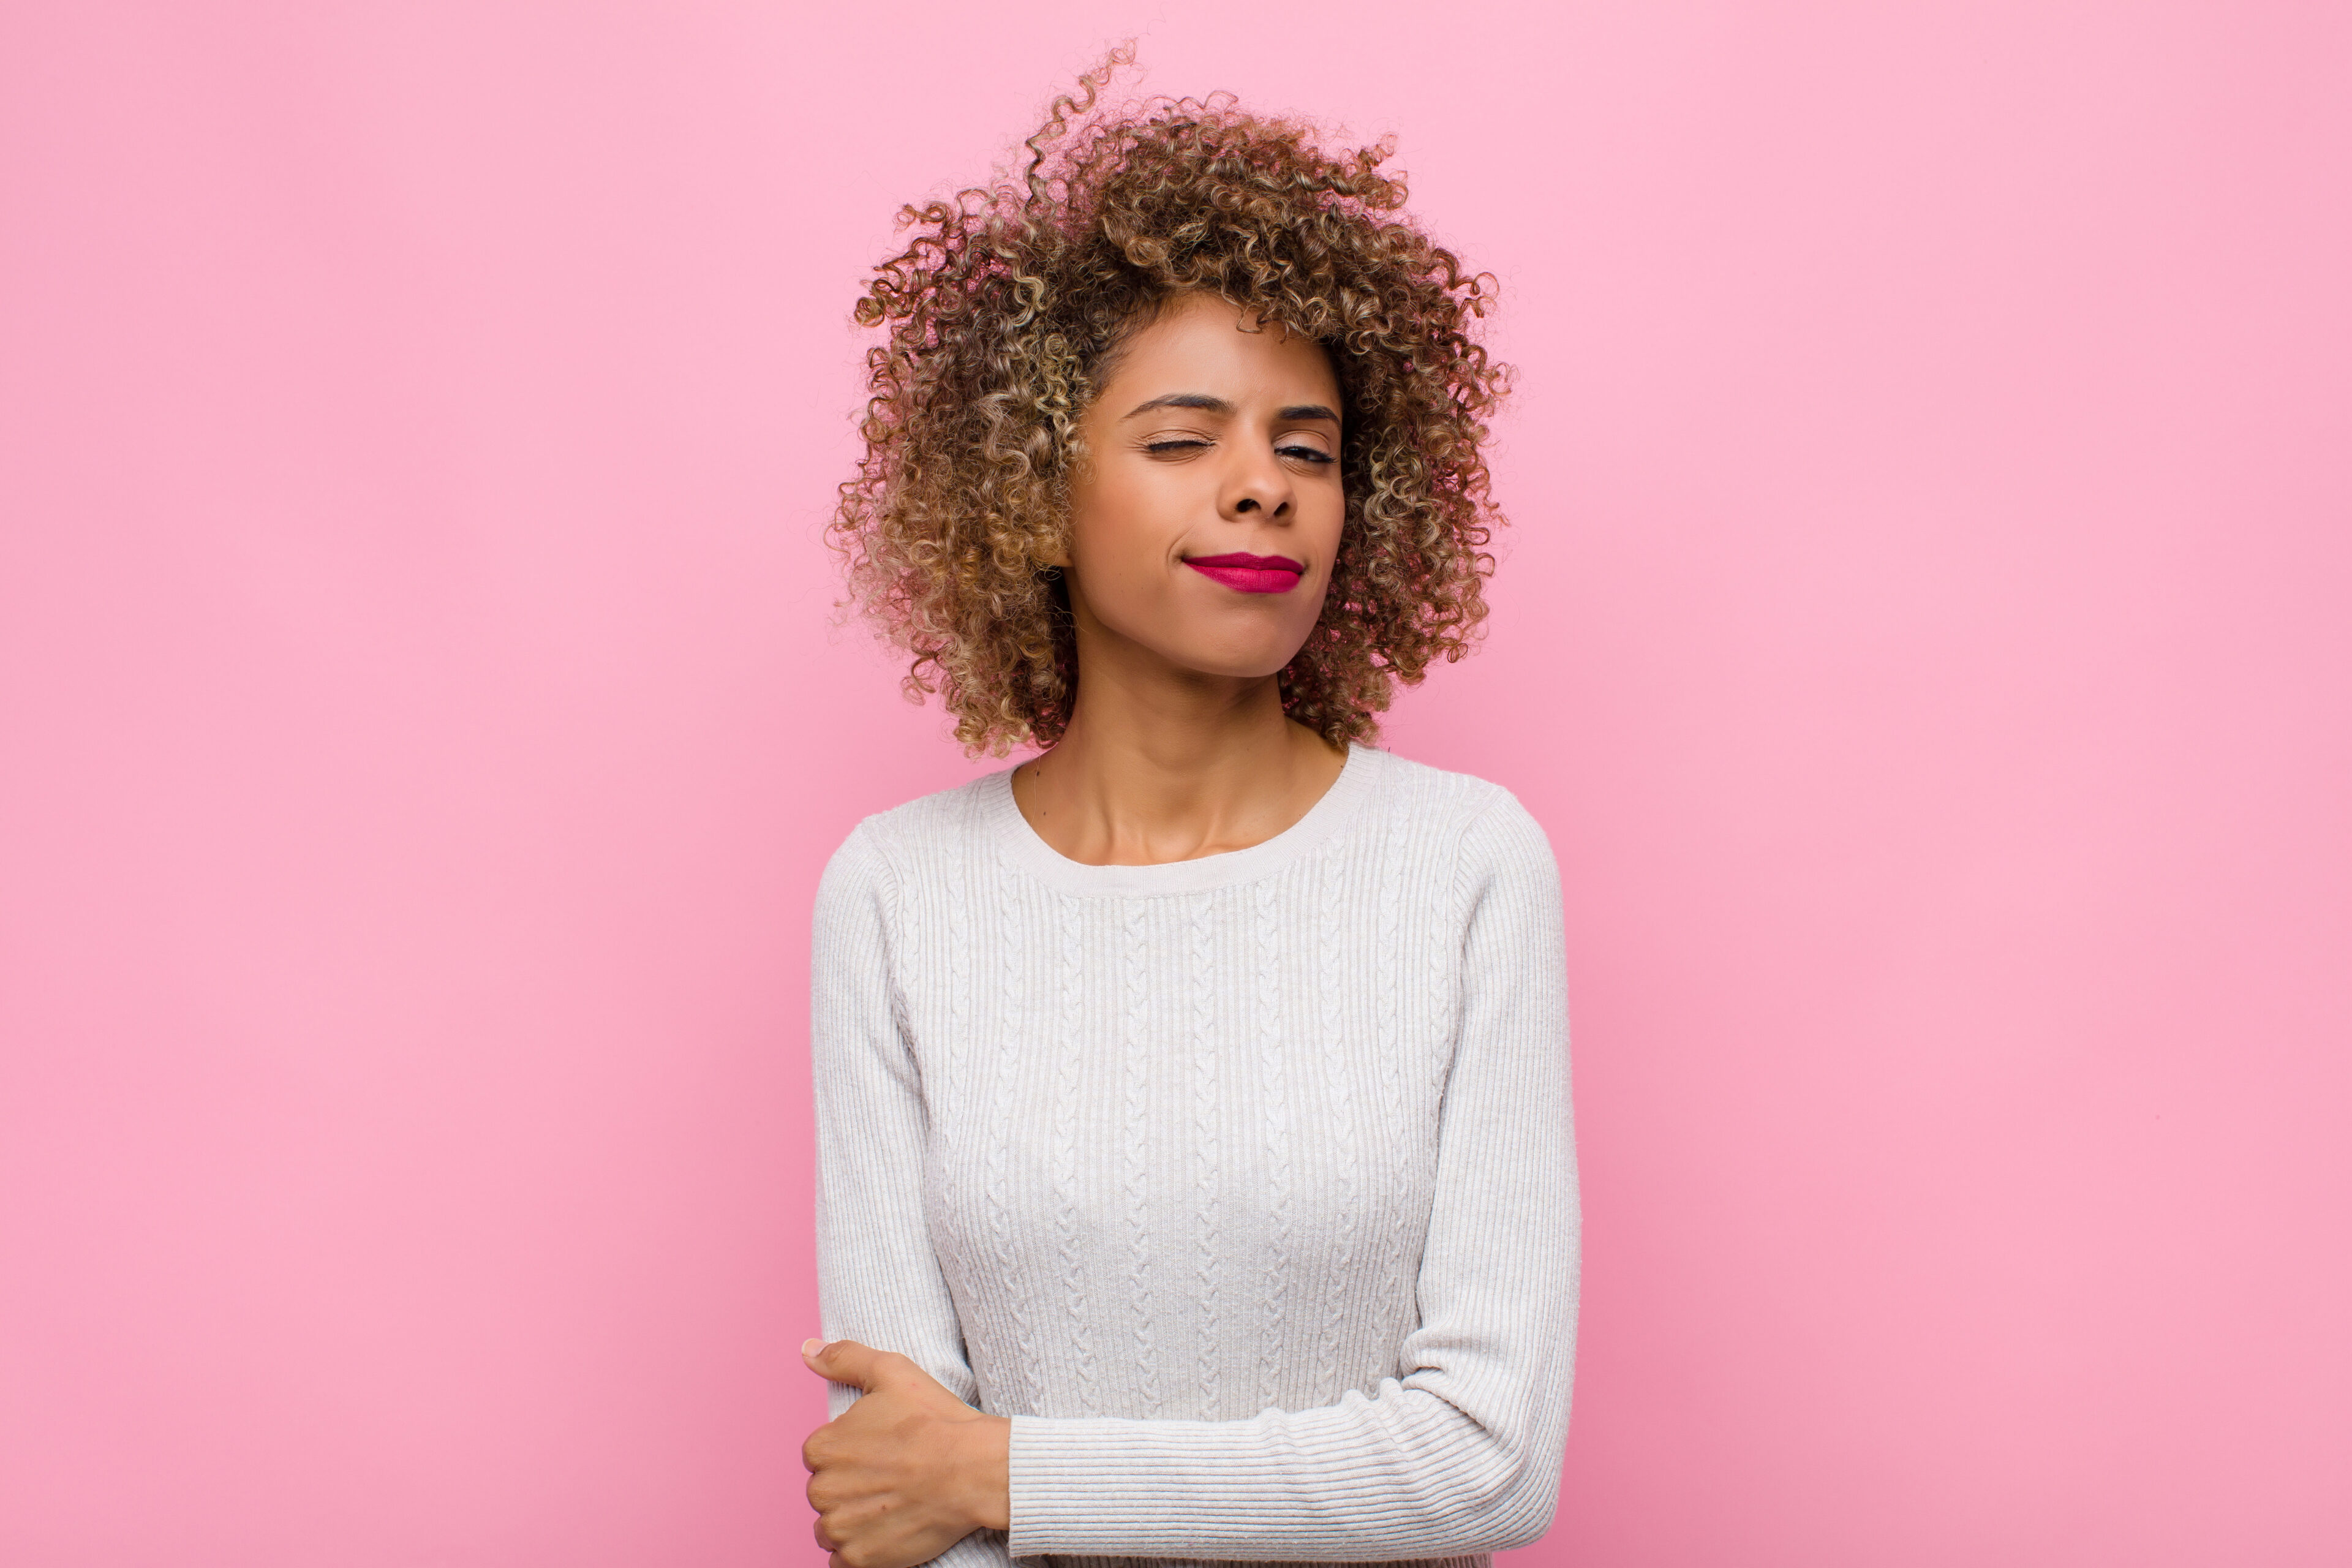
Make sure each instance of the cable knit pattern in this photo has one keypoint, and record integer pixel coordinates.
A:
(1273, 1028)
(1137, 1152)
(1014, 1049)
(1390, 1020)
(1208, 1152)
(1346, 1145)
(1244, 1185)
(1072, 1108)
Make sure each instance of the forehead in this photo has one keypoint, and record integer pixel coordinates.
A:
(1199, 343)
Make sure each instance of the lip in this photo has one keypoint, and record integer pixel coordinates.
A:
(1247, 573)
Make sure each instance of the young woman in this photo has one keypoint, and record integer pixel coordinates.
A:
(1195, 1176)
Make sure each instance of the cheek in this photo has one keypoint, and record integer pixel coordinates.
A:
(1326, 526)
(1116, 539)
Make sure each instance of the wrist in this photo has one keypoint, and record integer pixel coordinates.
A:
(984, 1466)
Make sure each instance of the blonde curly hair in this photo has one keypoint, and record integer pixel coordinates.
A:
(1004, 314)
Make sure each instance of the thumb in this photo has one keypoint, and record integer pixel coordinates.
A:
(843, 1361)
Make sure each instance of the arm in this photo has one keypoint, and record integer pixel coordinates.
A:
(1462, 1454)
(878, 1281)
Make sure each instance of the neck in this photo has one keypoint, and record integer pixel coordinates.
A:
(1170, 764)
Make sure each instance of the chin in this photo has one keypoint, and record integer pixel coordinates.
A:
(1254, 665)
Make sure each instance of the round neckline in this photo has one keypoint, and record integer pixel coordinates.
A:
(1023, 847)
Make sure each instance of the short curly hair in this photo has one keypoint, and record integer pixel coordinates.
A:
(1003, 315)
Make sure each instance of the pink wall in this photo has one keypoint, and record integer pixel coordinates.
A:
(1924, 636)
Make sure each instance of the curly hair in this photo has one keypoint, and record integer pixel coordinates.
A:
(1004, 313)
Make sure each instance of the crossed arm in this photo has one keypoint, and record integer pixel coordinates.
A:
(908, 1471)
(1460, 1455)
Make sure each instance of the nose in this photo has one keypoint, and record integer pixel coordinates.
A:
(1257, 489)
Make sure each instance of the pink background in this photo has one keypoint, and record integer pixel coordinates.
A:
(1925, 635)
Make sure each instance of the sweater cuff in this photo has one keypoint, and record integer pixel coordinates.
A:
(981, 1549)
(1062, 1495)
(1109, 1487)
(1042, 1458)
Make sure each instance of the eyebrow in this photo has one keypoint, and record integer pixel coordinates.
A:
(1208, 405)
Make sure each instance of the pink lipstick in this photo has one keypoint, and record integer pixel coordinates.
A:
(1249, 574)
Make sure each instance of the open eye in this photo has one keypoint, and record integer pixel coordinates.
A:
(1316, 455)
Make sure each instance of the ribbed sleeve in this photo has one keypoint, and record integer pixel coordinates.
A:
(879, 1279)
(1462, 1454)
(1245, 1187)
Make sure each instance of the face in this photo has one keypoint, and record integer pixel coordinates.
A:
(1206, 511)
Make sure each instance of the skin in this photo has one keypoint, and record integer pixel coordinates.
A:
(1178, 746)
(907, 1472)
(1215, 433)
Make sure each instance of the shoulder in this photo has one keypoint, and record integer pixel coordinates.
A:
(1488, 828)
(890, 847)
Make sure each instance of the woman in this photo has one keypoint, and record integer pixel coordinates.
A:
(1195, 1178)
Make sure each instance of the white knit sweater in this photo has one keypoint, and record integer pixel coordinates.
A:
(1244, 1185)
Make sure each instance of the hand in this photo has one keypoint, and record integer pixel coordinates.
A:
(907, 1472)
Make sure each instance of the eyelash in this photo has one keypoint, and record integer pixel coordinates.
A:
(1309, 453)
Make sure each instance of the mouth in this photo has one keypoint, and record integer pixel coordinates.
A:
(1247, 573)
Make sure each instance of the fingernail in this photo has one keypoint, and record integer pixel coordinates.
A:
(809, 1347)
